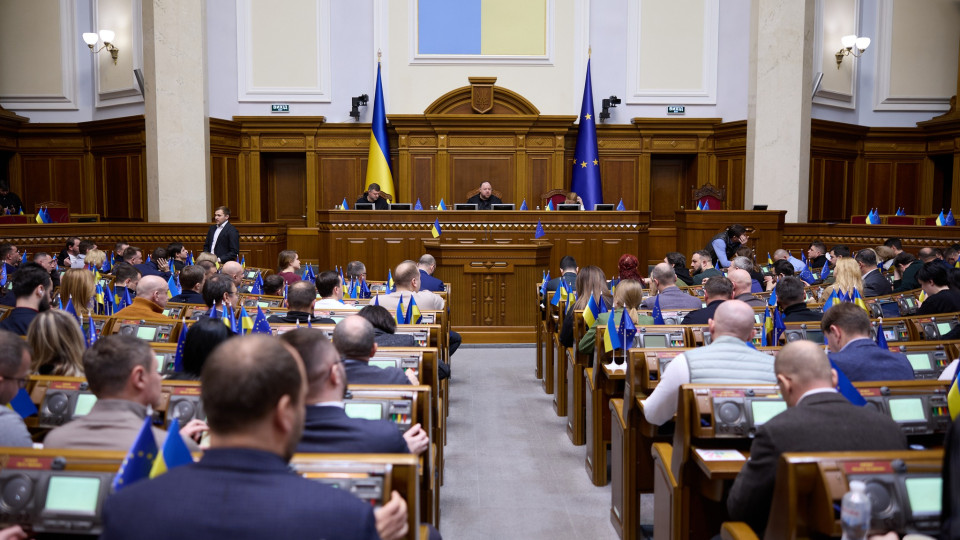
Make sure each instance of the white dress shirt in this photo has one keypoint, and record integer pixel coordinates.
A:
(216, 234)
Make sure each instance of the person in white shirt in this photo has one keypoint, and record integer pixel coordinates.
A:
(330, 289)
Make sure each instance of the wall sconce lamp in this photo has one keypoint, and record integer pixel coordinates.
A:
(357, 102)
(852, 46)
(91, 38)
(606, 105)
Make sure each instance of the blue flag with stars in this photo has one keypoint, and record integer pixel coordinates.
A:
(620, 207)
(523, 205)
(260, 324)
(136, 466)
(539, 232)
(586, 167)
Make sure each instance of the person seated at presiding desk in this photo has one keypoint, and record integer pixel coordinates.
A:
(32, 288)
(301, 297)
(385, 327)
(934, 281)
(727, 360)
(191, 283)
(253, 394)
(716, 291)
(702, 267)
(874, 283)
(330, 289)
(485, 199)
(723, 247)
(628, 295)
(354, 338)
(150, 301)
(663, 285)
(846, 327)
(573, 198)
(427, 266)
(818, 419)
(372, 196)
(122, 373)
(590, 283)
(568, 273)
(10, 203)
(14, 372)
(791, 300)
(743, 285)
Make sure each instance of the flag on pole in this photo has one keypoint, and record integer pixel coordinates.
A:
(657, 313)
(260, 324)
(881, 339)
(178, 356)
(172, 288)
(22, 404)
(378, 158)
(91, 336)
(523, 205)
(951, 221)
(620, 207)
(591, 312)
(706, 205)
(941, 219)
(627, 330)
(435, 229)
(441, 206)
(767, 327)
(846, 388)
(413, 312)
(173, 453)
(611, 340)
(539, 233)
(139, 461)
(401, 317)
(586, 166)
(699, 205)
(245, 322)
(549, 206)
(953, 397)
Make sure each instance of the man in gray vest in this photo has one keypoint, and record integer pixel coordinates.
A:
(727, 360)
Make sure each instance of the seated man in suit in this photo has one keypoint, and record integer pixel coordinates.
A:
(158, 265)
(253, 393)
(781, 269)
(663, 281)
(568, 273)
(791, 299)
(485, 199)
(223, 239)
(905, 268)
(191, 282)
(701, 267)
(330, 289)
(234, 270)
(353, 338)
(716, 291)
(32, 288)
(406, 282)
(47, 261)
(874, 282)
(818, 419)
(273, 285)
(14, 368)
(727, 360)
(150, 301)
(743, 285)
(122, 373)
(328, 430)
(356, 270)
(301, 296)
(847, 329)
(427, 265)
(133, 255)
(372, 195)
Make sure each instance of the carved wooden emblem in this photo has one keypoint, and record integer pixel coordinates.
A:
(481, 94)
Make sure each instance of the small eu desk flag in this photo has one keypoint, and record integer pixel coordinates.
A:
(539, 232)
(586, 166)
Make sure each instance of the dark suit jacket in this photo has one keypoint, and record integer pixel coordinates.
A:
(228, 243)
(151, 269)
(301, 317)
(188, 297)
(700, 277)
(819, 423)
(379, 204)
(328, 430)
(18, 321)
(363, 373)
(430, 283)
(876, 284)
(816, 264)
(800, 313)
(908, 279)
(945, 301)
(702, 315)
(236, 494)
(862, 360)
(384, 339)
(569, 277)
(484, 204)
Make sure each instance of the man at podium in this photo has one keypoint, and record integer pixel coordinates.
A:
(485, 199)
(372, 196)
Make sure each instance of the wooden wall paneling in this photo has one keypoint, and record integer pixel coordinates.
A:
(619, 148)
(540, 172)
(908, 186)
(878, 185)
(469, 170)
(122, 141)
(37, 176)
(422, 167)
(903, 149)
(226, 172)
(799, 235)
(339, 176)
(730, 147)
(68, 175)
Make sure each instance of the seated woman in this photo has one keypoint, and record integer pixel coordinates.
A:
(628, 296)
(77, 286)
(202, 338)
(384, 328)
(57, 343)
(207, 256)
(627, 268)
(289, 265)
(590, 282)
(934, 281)
(95, 258)
(847, 278)
(573, 198)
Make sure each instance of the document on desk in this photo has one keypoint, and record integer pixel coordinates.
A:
(720, 455)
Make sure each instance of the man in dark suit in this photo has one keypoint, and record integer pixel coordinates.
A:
(253, 394)
(223, 239)
(191, 283)
(485, 199)
(328, 429)
(818, 419)
(716, 291)
(353, 338)
(847, 329)
(372, 196)
(792, 301)
(568, 273)
(874, 283)
(427, 265)
(158, 265)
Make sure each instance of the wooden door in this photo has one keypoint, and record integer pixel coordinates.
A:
(669, 176)
(286, 176)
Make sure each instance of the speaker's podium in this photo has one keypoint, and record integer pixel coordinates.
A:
(492, 283)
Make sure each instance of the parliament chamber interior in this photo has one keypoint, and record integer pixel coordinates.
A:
(582, 194)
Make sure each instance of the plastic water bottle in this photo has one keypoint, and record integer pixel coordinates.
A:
(855, 512)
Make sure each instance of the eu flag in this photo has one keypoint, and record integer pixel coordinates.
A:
(846, 388)
(881, 339)
(136, 466)
(586, 167)
(657, 313)
(178, 356)
(260, 324)
(378, 158)
(539, 232)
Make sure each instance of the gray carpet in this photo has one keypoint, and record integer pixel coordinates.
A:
(511, 471)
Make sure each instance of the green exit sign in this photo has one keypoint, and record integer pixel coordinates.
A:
(676, 109)
(278, 107)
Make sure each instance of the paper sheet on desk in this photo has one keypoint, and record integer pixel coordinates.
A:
(720, 455)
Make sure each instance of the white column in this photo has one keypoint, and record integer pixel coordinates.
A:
(778, 114)
(177, 127)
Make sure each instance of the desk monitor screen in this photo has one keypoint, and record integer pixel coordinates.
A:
(568, 207)
(464, 206)
(604, 207)
(73, 494)
(907, 410)
(147, 332)
(763, 410)
(911, 302)
(364, 206)
(504, 206)
(84, 404)
(401, 206)
(890, 309)
(657, 341)
(944, 327)
(919, 361)
(160, 362)
(383, 363)
(250, 274)
(367, 411)
(815, 336)
(925, 495)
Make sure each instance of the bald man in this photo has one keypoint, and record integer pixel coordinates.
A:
(819, 419)
(784, 255)
(150, 301)
(742, 285)
(727, 360)
(663, 282)
(485, 199)
(234, 270)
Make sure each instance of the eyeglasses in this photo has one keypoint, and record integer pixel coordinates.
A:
(22, 383)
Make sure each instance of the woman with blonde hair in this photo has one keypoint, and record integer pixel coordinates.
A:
(77, 285)
(95, 258)
(207, 256)
(57, 343)
(288, 265)
(847, 278)
(590, 282)
(628, 296)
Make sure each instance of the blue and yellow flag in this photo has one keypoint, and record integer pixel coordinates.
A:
(441, 206)
(139, 461)
(586, 165)
(831, 300)
(953, 397)
(378, 158)
(3, 275)
(435, 229)
(39, 217)
(941, 219)
(549, 206)
(413, 312)
(858, 300)
(769, 259)
(591, 312)
(873, 217)
(173, 453)
(611, 340)
(558, 293)
(245, 322)
(767, 327)
(401, 317)
(699, 206)
(173, 289)
(389, 281)
(344, 205)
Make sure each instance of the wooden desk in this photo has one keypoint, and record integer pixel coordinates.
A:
(695, 228)
(602, 383)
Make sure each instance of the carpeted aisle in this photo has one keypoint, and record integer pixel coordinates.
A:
(511, 471)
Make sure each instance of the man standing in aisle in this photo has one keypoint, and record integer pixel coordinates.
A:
(223, 239)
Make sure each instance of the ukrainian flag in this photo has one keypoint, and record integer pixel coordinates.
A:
(923, 295)
(39, 217)
(941, 219)
(378, 159)
(441, 206)
(767, 327)
(246, 321)
(549, 206)
(172, 288)
(831, 301)
(174, 452)
(953, 397)
(858, 300)
(435, 229)
(401, 318)
(413, 312)
(591, 312)
(611, 339)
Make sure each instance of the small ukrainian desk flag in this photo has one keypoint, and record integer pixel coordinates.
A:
(435, 229)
